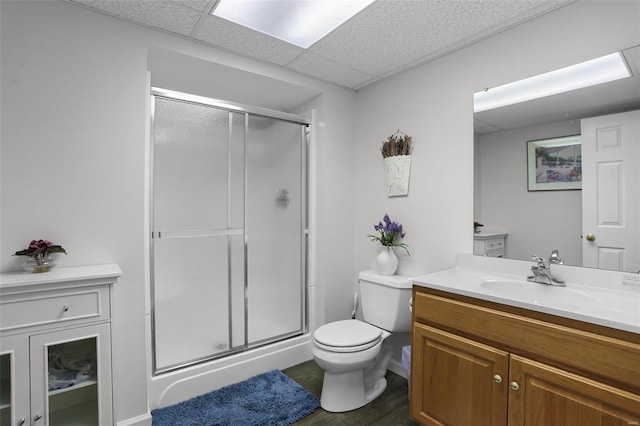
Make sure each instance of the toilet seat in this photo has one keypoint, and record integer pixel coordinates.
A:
(347, 336)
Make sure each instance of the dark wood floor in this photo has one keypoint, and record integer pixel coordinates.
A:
(389, 409)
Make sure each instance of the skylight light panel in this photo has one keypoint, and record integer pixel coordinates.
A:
(585, 74)
(299, 22)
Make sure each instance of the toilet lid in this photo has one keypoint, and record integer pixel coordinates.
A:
(347, 333)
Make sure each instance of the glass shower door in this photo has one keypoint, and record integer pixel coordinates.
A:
(197, 225)
(275, 228)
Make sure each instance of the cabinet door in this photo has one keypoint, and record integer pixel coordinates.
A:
(550, 396)
(71, 377)
(456, 381)
(14, 380)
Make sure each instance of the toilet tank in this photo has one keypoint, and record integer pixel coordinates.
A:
(385, 300)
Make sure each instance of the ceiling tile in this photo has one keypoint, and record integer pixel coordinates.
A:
(199, 5)
(394, 34)
(163, 14)
(244, 41)
(386, 38)
(328, 70)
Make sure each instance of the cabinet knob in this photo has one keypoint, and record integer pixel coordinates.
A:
(497, 378)
(65, 308)
(21, 421)
(514, 386)
(37, 417)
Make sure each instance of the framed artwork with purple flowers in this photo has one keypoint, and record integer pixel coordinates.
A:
(554, 164)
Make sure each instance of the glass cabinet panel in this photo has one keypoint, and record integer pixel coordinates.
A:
(72, 382)
(5, 389)
(14, 380)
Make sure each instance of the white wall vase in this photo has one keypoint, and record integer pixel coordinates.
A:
(386, 261)
(397, 170)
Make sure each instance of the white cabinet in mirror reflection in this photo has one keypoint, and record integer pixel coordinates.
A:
(490, 244)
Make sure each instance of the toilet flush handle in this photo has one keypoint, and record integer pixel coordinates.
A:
(355, 306)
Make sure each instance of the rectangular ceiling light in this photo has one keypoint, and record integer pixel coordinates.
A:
(596, 71)
(299, 22)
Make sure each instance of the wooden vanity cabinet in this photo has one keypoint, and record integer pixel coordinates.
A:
(481, 363)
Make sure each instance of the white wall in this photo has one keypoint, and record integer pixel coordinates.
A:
(536, 222)
(73, 101)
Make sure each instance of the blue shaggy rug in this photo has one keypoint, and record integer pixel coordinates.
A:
(271, 399)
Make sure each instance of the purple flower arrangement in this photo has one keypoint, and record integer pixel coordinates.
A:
(389, 231)
(40, 248)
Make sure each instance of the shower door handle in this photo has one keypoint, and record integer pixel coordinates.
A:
(199, 233)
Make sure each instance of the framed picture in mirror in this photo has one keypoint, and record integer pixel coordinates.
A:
(554, 164)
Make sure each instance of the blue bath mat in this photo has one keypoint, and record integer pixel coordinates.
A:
(269, 399)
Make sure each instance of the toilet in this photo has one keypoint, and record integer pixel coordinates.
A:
(354, 354)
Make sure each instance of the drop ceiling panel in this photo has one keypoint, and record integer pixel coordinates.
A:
(325, 69)
(244, 41)
(386, 38)
(199, 5)
(391, 34)
(169, 16)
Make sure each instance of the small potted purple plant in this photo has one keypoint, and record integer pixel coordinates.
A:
(389, 232)
(40, 252)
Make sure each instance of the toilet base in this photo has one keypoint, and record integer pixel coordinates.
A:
(346, 391)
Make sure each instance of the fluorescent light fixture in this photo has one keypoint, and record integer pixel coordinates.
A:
(596, 71)
(299, 22)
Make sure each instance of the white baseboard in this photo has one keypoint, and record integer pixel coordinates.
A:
(143, 420)
(396, 367)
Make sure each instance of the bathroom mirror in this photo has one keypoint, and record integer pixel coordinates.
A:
(535, 222)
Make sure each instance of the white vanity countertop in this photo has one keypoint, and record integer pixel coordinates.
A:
(615, 305)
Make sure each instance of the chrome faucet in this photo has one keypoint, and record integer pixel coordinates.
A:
(542, 274)
(555, 258)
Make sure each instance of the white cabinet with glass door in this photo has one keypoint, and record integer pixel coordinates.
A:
(55, 349)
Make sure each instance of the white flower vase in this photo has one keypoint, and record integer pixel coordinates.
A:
(387, 261)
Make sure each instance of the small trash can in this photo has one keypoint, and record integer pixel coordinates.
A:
(406, 361)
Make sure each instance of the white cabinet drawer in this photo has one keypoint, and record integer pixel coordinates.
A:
(495, 253)
(50, 307)
(494, 244)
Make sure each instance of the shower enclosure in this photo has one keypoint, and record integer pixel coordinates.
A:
(228, 228)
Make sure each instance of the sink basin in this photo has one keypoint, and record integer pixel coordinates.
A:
(538, 293)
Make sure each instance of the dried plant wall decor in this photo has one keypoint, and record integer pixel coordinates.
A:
(396, 152)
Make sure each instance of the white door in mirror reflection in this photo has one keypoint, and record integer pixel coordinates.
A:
(611, 191)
